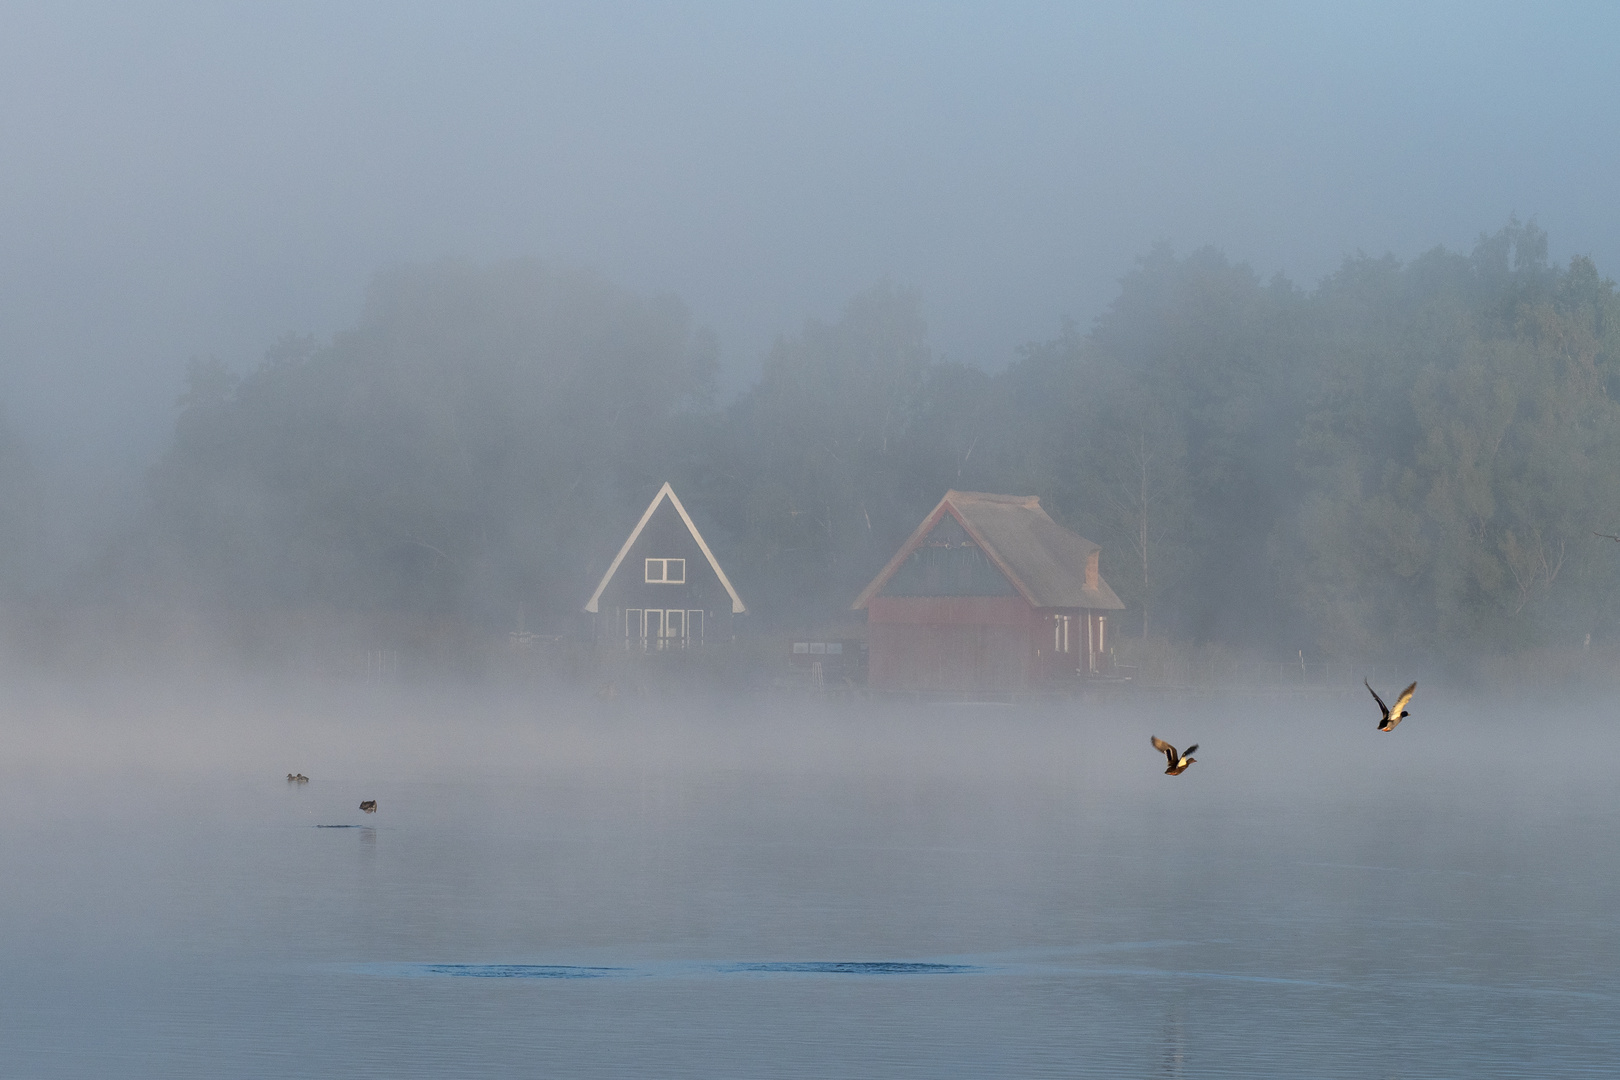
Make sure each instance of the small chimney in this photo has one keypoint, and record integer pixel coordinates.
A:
(1091, 569)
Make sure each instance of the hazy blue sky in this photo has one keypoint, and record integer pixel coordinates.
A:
(179, 179)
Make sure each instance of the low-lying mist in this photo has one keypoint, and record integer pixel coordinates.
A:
(1305, 864)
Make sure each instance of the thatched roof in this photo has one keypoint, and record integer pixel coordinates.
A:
(1050, 566)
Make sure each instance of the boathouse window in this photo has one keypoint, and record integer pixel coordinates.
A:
(818, 648)
(666, 571)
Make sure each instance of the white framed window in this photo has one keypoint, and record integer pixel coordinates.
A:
(666, 571)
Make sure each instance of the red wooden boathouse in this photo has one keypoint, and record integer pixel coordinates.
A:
(988, 594)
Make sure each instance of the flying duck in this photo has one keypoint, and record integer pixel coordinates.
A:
(369, 806)
(1178, 761)
(1398, 713)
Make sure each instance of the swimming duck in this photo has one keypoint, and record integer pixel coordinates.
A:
(1178, 760)
(1398, 713)
(297, 778)
(369, 806)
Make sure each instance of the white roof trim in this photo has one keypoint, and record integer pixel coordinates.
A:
(668, 492)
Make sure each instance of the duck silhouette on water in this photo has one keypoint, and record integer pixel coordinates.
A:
(369, 806)
(1177, 759)
(297, 778)
(1398, 713)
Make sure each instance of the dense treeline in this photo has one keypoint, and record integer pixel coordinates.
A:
(469, 446)
(1411, 456)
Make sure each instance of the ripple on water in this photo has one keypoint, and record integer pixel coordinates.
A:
(576, 971)
(851, 967)
(521, 971)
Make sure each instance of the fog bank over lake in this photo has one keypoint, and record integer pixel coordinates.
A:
(513, 517)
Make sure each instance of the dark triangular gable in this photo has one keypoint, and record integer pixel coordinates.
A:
(948, 562)
(915, 541)
(666, 492)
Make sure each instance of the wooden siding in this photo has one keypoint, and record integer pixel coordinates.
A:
(968, 644)
(950, 643)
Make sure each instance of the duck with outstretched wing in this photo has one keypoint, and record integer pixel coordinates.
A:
(1398, 713)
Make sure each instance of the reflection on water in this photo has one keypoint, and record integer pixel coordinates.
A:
(1175, 1044)
(757, 888)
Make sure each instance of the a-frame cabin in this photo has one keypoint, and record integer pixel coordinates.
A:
(988, 594)
(665, 589)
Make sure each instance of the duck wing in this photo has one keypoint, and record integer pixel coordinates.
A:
(1376, 698)
(1400, 702)
(1187, 753)
(1165, 748)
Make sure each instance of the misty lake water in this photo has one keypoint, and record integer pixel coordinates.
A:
(748, 887)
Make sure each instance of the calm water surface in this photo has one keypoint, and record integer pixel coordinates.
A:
(755, 888)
